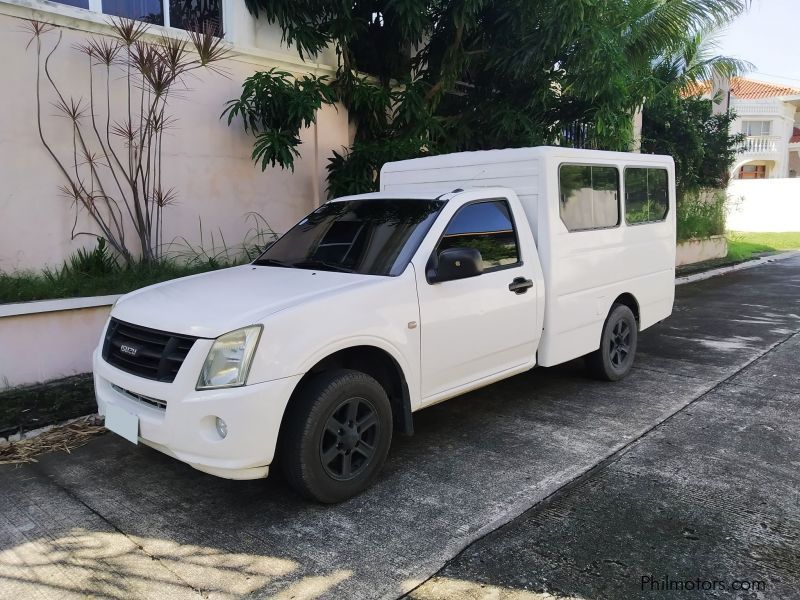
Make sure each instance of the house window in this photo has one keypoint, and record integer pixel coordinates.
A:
(756, 128)
(646, 195)
(588, 197)
(76, 3)
(753, 172)
(183, 14)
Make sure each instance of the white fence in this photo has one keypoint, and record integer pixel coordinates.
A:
(764, 205)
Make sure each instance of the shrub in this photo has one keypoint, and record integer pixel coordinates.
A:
(701, 214)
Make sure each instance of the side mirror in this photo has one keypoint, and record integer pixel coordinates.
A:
(455, 263)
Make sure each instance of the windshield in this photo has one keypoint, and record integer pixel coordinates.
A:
(370, 237)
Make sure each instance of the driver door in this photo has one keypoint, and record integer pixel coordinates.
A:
(477, 327)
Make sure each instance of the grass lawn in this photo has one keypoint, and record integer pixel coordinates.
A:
(27, 286)
(743, 245)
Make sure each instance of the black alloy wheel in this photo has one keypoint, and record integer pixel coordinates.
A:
(336, 435)
(614, 358)
(348, 443)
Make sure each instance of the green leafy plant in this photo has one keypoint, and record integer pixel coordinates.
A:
(701, 214)
(274, 107)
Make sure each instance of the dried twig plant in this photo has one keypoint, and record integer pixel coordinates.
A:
(115, 170)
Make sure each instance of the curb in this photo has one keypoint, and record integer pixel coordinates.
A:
(745, 265)
(19, 437)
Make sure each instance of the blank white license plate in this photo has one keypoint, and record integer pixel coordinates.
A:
(123, 423)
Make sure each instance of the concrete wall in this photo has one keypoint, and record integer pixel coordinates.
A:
(207, 162)
(690, 252)
(764, 205)
(40, 346)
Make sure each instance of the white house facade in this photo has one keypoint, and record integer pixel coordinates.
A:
(207, 163)
(769, 116)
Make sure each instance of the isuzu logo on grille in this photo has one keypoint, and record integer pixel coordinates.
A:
(129, 350)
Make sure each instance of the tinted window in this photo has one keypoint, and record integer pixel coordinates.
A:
(78, 3)
(372, 237)
(189, 14)
(589, 197)
(150, 11)
(487, 227)
(646, 195)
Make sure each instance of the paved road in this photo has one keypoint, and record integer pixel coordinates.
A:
(120, 521)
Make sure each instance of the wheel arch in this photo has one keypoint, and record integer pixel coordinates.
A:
(378, 364)
(629, 300)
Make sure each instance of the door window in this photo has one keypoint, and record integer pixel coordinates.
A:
(489, 228)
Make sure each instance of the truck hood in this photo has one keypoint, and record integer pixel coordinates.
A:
(210, 304)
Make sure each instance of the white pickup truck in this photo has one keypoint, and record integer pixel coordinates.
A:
(464, 270)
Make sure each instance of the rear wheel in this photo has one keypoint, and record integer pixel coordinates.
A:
(614, 359)
(337, 435)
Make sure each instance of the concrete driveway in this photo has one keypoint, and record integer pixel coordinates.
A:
(119, 521)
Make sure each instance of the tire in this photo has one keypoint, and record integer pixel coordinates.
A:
(614, 359)
(325, 455)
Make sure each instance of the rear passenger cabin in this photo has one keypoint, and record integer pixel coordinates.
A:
(604, 225)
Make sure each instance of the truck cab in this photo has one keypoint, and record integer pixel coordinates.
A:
(370, 308)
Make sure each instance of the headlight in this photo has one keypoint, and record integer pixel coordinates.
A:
(228, 361)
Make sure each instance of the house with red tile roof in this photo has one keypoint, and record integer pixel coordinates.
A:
(769, 115)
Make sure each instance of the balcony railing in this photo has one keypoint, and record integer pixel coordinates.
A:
(760, 144)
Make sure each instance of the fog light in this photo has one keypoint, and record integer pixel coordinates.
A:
(222, 428)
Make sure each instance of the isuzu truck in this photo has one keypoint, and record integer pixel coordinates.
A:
(463, 270)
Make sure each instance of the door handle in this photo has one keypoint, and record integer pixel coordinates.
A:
(520, 285)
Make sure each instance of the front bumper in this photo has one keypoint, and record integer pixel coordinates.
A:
(186, 427)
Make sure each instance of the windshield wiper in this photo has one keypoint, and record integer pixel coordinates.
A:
(321, 264)
(271, 262)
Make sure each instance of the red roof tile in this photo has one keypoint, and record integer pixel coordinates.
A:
(745, 89)
(749, 89)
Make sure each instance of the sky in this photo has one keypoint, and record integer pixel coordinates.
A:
(767, 36)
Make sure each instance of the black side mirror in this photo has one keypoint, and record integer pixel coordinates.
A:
(455, 263)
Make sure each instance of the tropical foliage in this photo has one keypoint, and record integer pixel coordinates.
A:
(699, 141)
(114, 170)
(429, 76)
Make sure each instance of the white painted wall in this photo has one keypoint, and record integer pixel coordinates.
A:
(207, 162)
(764, 205)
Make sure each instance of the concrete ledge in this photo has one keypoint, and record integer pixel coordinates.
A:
(693, 251)
(41, 341)
(45, 306)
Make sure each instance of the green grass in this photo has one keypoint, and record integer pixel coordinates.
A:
(67, 283)
(743, 245)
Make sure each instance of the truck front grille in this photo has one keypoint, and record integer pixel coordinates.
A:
(154, 402)
(145, 352)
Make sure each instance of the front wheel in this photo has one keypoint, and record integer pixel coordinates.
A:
(337, 435)
(614, 359)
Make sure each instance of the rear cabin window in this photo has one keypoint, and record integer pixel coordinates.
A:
(487, 227)
(589, 197)
(646, 195)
